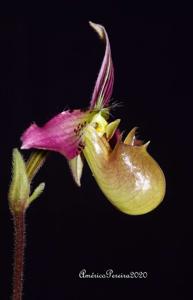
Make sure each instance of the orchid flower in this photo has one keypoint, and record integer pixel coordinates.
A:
(128, 176)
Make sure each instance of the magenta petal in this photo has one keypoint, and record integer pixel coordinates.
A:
(104, 84)
(62, 134)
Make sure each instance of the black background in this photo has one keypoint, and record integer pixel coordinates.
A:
(49, 62)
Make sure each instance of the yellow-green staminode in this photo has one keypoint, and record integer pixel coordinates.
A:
(128, 176)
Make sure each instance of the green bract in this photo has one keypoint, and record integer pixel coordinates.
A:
(23, 173)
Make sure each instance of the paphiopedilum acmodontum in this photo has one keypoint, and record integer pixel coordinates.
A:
(128, 176)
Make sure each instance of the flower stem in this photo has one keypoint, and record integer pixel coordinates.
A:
(19, 245)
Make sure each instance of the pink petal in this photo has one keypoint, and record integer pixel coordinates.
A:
(104, 84)
(62, 134)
